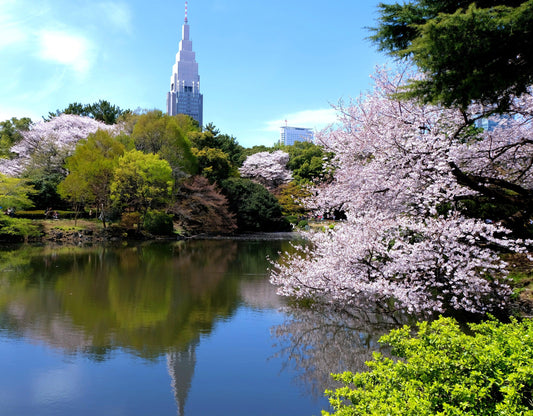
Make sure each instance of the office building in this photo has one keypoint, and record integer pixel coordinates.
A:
(184, 96)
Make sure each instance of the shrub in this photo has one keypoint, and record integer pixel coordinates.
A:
(443, 371)
(130, 220)
(17, 229)
(158, 223)
(256, 209)
(303, 224)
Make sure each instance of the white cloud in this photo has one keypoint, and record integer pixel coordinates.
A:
(11, 29)
(117, 13)
(66, 48)
(315, 119)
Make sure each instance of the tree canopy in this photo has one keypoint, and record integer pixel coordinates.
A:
(467, 51)
(102, 111)
(141, 181)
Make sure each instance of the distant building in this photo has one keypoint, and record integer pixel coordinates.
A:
(184, 96)
(291, 135)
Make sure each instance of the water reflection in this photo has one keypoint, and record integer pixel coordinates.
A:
(161, 302)
(318, 341)
(153, 300)
(148, 299)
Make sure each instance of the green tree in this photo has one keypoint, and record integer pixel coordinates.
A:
(10, 133)
(443, 371)
(308, 162)
(213, 139)
(45, 171)
(102, 110)
(91, 170)
(15, 192)
(468, 51)
(255, 208)
(291, 197)
(141, 181)
(155, 132)
(214, 164)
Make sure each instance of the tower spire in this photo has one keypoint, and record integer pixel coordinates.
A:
(186, 20)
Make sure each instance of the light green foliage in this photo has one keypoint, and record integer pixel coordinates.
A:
(214, 164)
(444, 371)
(14, 193)
(155, 132)
(91, 170)
(291, 198)
(470, 51)
(10, 133)
(141, 181)
(17, 228)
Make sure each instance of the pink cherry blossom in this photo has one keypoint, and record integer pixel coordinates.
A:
(62, 132)
(398, 162)
(268, 169)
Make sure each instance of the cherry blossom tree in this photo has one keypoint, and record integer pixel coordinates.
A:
(402, 170)
(268, 169)
(61, 133)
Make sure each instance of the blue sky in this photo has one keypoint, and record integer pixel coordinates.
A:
(260, 63)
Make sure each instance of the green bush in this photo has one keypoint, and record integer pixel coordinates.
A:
(443, 371)
(303, 224)
(17, 229)
(256, 209)
(158, 223)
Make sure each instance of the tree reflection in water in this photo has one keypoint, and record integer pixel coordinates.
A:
(318, 341)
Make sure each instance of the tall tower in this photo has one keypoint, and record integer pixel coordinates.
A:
(184, 96)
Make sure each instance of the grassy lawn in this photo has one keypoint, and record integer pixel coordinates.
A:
(70, 225)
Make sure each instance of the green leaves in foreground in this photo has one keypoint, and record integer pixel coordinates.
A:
(443, 371)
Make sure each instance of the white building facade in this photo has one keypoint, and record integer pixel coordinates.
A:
(291, 135)
(184, 96)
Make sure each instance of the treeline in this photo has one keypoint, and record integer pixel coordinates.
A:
(148, 171)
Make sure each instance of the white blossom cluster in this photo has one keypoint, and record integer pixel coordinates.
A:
(269, 169)
(62, 133)
(395, 164)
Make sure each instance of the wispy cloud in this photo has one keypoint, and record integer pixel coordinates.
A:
(12, 32)
(67, 48)
(118, 14)
(315, 119)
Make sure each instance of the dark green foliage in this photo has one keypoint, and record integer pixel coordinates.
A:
(10, 133)
(307, 162)
(470, 51)
(158, 223)
(443, 371)
(255, 208)
(102, 110)
(212, 139)
(46, 195)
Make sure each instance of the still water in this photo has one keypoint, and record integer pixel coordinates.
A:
(185, 328)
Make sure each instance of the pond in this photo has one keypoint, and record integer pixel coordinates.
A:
(182, 328)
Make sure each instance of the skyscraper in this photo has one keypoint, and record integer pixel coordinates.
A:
(184, 96)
